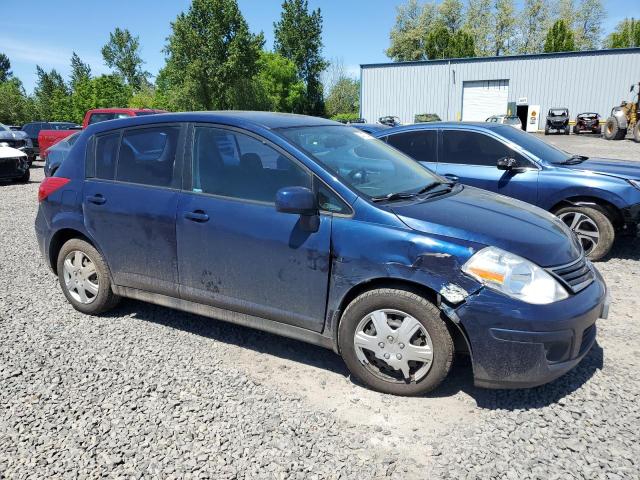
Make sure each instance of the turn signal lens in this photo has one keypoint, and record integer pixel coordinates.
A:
(50, 185)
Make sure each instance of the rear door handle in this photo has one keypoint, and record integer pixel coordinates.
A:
(97, 199)
(452, 177)
(197, 216)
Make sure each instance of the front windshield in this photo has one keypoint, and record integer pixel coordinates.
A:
(361, 161)
(534, 145)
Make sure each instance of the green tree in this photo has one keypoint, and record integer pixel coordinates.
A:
(80, 71)
(532, 23)
(626, 34)
(441, 43)
(588, 24)
(211, 59)
(504, 27)
(145, 97)
(479, 24)
(559, 38)
(53, 99)
(298, 37)
(344, 97)
(450, 14)
(277, 85)
(15, 106)
(408, 35)
(5, 68)
(110, 91)
(121, 53)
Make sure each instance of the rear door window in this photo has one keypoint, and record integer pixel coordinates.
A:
(147, 155)
(420, 145)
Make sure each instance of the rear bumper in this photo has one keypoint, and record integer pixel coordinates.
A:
(517, 345)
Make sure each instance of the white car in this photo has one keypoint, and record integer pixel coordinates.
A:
(507, 120)
(14, 164)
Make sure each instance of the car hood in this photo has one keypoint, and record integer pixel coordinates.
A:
(489, 219)
(627, 169)
(8, 152)
(12, 135)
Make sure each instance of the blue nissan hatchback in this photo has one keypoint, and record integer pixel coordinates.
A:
(317, 231)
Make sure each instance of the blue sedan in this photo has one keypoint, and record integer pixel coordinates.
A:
(317, 231)
(597, 198)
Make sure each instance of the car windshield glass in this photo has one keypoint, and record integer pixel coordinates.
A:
(511, 120)
(534, 145)
(363, 162)
(558, 113)
(3, 127)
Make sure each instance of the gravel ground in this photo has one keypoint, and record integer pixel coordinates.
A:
(150, 392)
(595, 146)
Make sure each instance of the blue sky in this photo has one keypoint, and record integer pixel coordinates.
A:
(356, 31)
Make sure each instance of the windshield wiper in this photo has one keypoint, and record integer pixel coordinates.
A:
(575, 159)
(405, 195)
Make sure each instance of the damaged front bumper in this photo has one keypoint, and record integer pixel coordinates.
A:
(519, 345)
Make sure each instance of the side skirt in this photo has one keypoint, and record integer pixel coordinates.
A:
(259, 323)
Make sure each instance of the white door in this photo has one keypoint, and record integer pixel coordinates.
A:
(484, 98)
(533, 118)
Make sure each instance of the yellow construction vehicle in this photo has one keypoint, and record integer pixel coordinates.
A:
(623, 119)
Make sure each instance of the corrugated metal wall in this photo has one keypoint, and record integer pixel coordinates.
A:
(586, 81)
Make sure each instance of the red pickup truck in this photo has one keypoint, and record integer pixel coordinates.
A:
(47, 138)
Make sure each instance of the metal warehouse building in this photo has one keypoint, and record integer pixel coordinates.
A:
(472, 89)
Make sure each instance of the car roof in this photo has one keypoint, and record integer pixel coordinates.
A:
(454, 125)
(241, 119)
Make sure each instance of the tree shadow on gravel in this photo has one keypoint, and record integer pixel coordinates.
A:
(225, 332)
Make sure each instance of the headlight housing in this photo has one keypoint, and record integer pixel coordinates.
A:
(514, 276)
(635, 183)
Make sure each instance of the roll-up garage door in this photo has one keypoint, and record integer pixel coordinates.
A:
(484, 98)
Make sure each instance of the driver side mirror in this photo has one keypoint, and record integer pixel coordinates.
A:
(296, 200)
(507, 163)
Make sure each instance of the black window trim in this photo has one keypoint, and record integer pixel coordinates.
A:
(533, 162)
(178, 162)
(187, 186)
(413, 130)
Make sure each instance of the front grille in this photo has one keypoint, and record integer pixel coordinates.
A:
(576, 276)
(13, 143)
(8, 166)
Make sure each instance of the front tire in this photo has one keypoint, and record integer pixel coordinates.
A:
(546, 130)
(592, 226)
(395, 341)
(84, 278)
(567, 130)
(612, 130)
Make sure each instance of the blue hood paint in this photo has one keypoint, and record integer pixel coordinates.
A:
(481, 217)
(627, 169)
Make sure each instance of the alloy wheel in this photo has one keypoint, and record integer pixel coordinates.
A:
(80, 277)
(393, 346)
(585, 229)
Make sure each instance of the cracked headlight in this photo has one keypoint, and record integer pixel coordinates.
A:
(514, 276)
(635, 183)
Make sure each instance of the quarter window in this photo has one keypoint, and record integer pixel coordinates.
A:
(420, 145)
(147, 156)
(472, 148)
(235, 165)
(106, 153)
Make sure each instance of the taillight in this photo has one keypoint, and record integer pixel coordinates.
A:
(50, 185)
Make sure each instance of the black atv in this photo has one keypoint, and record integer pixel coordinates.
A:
(558, 121)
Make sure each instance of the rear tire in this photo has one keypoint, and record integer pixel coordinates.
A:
(567, 130)
(84, 278)
(546, 130)
(612, 130)
(25, 177)
(576, 131)
(586, 223)
(393, 307)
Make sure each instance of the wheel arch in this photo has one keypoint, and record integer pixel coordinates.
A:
(61, 237)
(613, 212)
(461, 342)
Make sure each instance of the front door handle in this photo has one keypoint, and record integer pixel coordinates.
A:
(452, 177)
(197, 216)
(97, 199)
